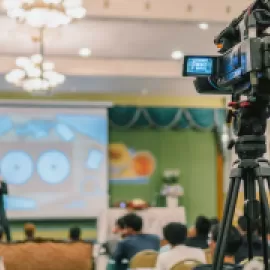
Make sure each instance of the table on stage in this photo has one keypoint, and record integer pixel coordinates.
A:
(154, 220)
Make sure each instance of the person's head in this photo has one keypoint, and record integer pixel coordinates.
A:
(29, 231)
(175, 233)
(133, 224)
(234, 240)
(119, 227)
(242, 225)
(202, 225)
(75, 234)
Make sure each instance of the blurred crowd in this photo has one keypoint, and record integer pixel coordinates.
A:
(30, 234)
(179, 243)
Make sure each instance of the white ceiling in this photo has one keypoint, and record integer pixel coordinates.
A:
(113, 39)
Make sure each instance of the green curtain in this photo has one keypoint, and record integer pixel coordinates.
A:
(166, 118)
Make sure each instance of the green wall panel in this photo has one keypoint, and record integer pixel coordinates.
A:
(194, 153)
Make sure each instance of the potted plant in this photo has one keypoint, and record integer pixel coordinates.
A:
(171, 188)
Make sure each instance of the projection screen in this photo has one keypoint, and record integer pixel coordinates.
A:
(54, 160)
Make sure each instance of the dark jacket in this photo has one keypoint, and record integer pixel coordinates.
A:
(131, 245)
(199, 241)
(257, 248)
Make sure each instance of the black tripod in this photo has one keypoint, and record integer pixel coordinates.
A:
(249, 125)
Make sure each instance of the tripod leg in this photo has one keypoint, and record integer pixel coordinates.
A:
(265, 217)
(226, 222)
(264, 198)
(250, 196)
(264, 235)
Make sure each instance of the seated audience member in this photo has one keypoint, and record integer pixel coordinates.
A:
(29, 231)
(176, 233)
(134, 241)
(202, 226)
(75, 234)
(257, 245)
(234, 241)
(119, 231)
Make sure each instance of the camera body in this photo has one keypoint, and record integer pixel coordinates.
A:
(243, 66)
(230, 73)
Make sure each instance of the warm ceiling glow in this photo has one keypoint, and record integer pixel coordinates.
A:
(85, 52)
(176, 55)
(45, 13)
(203, 26)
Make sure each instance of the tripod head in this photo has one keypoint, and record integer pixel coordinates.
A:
(249, 124)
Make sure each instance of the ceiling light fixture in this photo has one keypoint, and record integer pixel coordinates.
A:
(34, 74)
(203, 26)
(45, 13)
(177, 55)
(85, 52)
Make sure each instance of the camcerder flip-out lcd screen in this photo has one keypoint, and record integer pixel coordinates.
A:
(200, 66)
(244, 60)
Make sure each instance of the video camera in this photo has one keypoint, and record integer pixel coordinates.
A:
(243, 68)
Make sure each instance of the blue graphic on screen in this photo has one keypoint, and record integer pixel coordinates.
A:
(84, 124)
(64, 132)
(5, 125)
(53, 167)
(19, 203)
(200, 65)
(35, 128)
(16, 167)
(94, 159)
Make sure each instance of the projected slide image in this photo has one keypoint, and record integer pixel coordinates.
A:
(47, 159)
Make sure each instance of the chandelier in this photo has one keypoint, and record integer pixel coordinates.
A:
(45, 13)
(34, 74)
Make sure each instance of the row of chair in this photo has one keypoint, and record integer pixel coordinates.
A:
(148, 259)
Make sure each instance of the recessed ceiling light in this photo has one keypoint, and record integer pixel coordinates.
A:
(85, 52)
(203, 26)
(176, 55)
